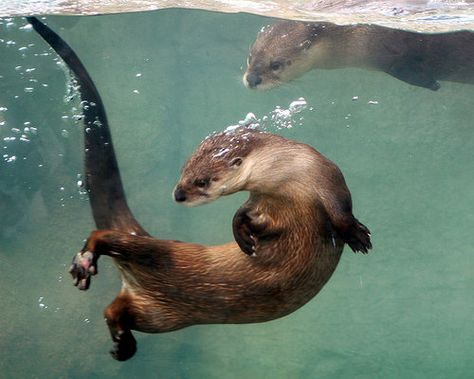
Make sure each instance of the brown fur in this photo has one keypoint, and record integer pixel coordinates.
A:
(290, 233)
(306, 205)
(416, 58)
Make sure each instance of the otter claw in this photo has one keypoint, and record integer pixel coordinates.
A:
(84, 264)
(247, 243)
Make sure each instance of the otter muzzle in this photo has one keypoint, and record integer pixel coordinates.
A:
(179, 195)
(253, 80)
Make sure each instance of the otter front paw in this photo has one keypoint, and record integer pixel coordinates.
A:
(251, 229)
(243, 234)
(246, 240)
(84, 264)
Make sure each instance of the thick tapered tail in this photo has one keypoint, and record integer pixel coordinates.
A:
(102, 174)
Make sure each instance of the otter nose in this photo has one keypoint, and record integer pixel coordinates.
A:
(253, 80)
(179, 195)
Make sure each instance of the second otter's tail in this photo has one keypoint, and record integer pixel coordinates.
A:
(102, 174)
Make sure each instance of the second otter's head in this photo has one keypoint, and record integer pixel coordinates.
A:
(284, 51)
(218, 167)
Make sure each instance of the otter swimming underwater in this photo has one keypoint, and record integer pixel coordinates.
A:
(290, 234)
(288, 49)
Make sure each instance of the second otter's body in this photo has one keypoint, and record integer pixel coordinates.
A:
(288, 49)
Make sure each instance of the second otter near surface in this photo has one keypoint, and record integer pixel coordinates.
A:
(288, 49)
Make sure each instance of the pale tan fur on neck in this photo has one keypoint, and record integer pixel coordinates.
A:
(284, 170)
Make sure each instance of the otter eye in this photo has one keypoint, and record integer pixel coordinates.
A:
(276, 65)
(201, 183)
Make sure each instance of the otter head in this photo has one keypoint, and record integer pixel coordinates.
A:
(219, 167)
(284, 51)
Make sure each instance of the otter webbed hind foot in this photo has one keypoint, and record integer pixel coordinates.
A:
(120, 319)
(125, 345)
(84, 265)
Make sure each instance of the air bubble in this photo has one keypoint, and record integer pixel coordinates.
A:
(249, 119)
(221, 152)
(279, 118)
(298, 105)
(77, 117)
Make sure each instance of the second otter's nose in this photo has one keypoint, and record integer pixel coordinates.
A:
(253, 80)
(179, 195)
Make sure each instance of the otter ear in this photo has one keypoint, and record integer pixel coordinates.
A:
(235, 162)
(306, 44)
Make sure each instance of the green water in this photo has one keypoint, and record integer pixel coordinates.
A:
(403, 311)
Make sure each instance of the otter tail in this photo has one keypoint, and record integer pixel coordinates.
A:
(102, 174)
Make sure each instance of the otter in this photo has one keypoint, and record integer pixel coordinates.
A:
(289, 234)
(288, 49)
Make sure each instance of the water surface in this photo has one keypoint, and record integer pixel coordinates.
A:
(168, 79)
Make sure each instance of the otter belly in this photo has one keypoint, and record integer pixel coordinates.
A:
(162, 307)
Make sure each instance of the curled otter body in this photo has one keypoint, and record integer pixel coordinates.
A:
(289, 234)
(288, 49)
